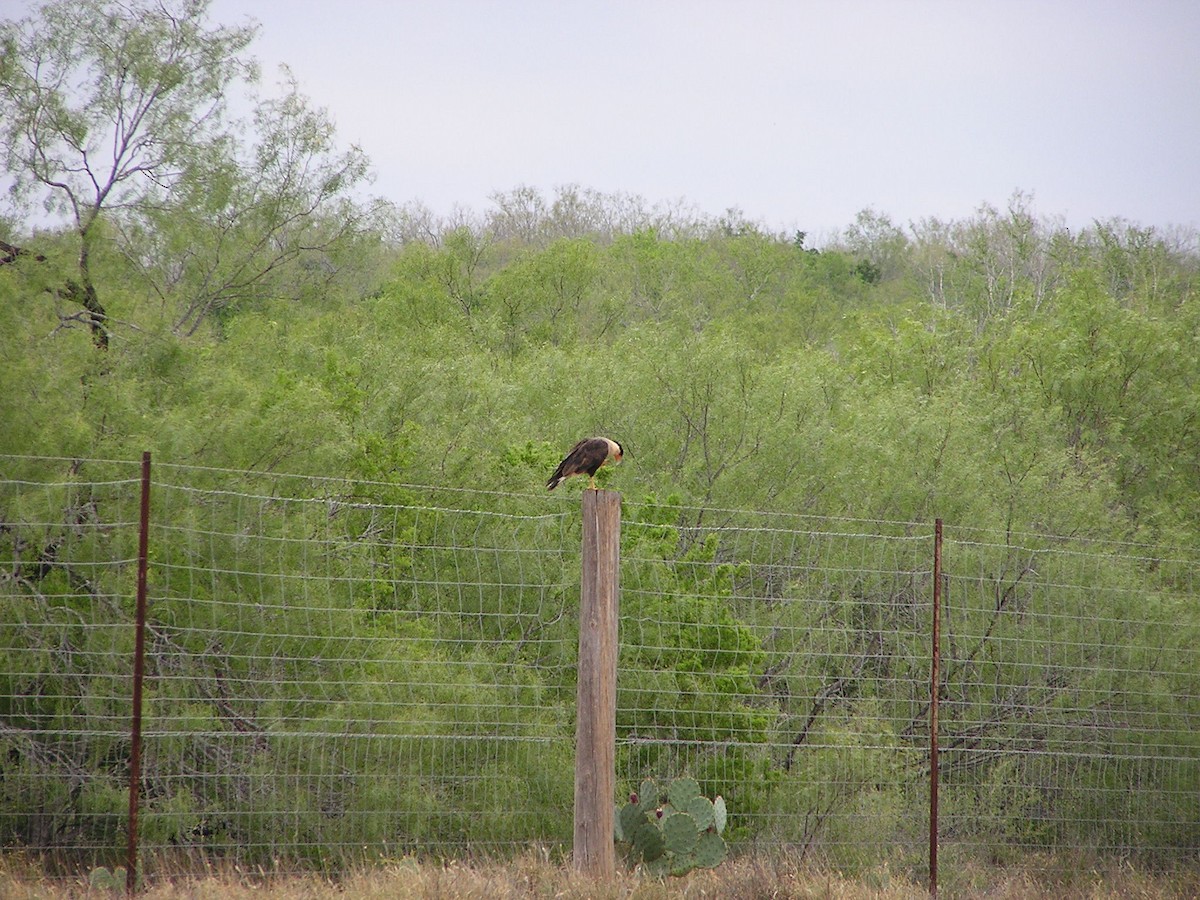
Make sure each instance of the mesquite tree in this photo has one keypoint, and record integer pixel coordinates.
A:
(114, 117)
(106, 107)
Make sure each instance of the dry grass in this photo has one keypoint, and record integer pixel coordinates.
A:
(535, 876)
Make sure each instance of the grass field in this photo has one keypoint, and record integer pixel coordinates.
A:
(535, 876)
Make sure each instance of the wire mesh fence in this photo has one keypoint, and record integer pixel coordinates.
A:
(339, 672)
(1070, 708)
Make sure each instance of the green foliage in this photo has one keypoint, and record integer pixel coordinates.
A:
(539, 297)
(688, 664)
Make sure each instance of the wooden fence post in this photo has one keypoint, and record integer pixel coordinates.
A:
(596, 699)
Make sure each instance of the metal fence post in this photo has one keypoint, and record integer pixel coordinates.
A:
(139, 653)
(935, 656)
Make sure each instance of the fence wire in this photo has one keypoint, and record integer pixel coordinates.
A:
(1070, 707)
(340, 672)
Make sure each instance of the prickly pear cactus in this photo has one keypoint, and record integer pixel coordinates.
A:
(103, 879)
(672, 830)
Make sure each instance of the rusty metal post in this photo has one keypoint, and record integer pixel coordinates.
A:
(139, 653)
(596, 701)
(936, 656)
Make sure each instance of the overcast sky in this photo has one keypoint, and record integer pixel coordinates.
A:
(798, 112)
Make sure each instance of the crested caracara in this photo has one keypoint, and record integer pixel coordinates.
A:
(586, 458)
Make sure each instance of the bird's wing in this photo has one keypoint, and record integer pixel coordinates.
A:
(569, 465)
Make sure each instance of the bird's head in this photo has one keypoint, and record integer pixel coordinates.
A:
(615, 451)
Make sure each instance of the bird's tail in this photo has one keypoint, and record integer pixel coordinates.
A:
(559, 476)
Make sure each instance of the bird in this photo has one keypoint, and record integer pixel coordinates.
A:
(586, 458)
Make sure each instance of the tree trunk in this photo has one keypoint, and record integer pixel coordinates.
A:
(85, 293)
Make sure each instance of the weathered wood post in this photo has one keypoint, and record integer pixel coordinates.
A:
(596, 699)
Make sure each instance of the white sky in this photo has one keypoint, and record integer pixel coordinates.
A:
(799, 112)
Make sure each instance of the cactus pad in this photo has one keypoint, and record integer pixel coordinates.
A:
(719, 814)
(680, 833)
